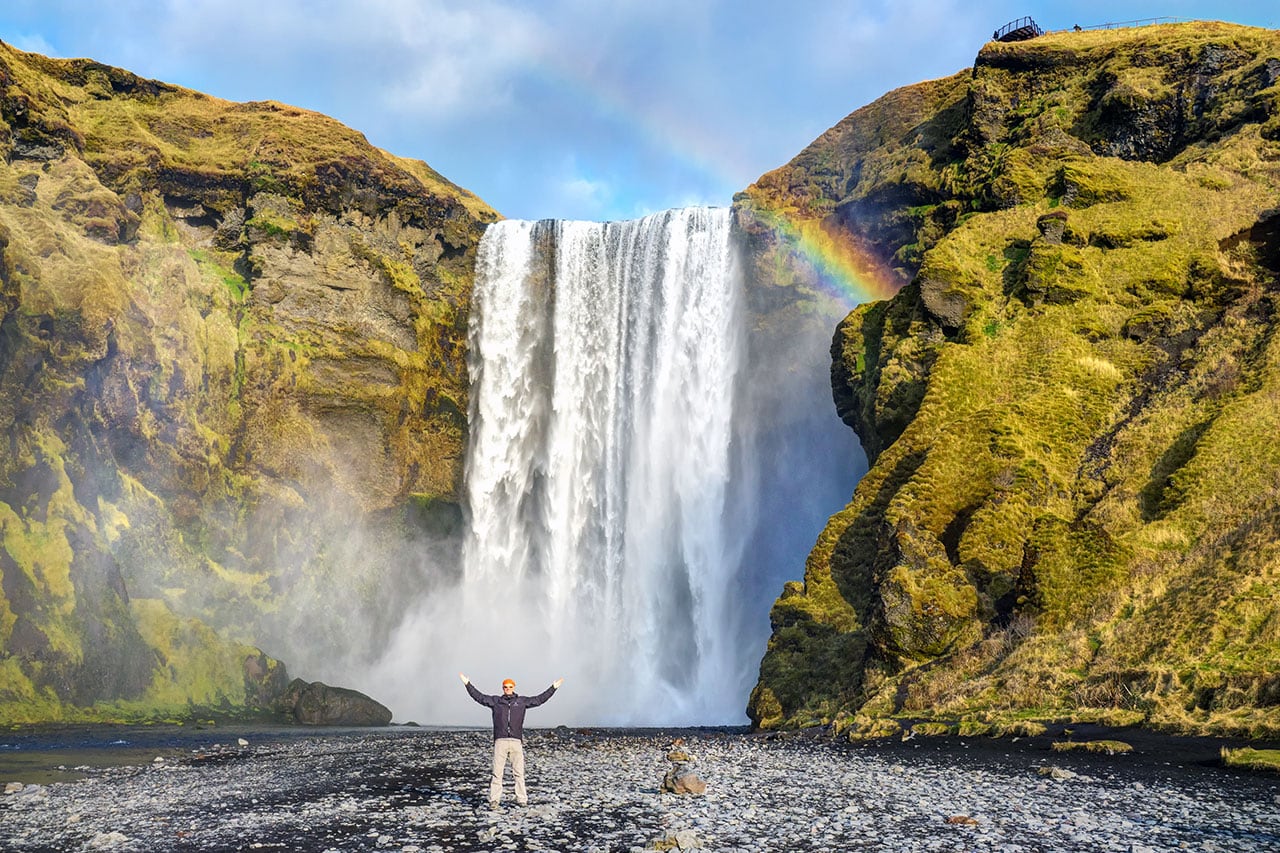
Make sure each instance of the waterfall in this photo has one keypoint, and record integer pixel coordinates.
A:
(603, 365)
(641, 478)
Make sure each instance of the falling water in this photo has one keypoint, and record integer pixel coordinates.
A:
(642, 477)
(603, 363)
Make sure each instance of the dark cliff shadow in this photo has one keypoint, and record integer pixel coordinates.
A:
(864, 551)
(1154, 498)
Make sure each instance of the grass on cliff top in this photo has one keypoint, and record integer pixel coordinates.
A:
(440, 185)
(203, 134)
(1165, 38)
(902, 143)
(890, 138)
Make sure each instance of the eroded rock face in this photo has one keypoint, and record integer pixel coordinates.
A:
(232, 386)
(1067, 408)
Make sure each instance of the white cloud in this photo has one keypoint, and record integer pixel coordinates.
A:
(435, 58)
(582, 197)
(458, 61)
(584, 190)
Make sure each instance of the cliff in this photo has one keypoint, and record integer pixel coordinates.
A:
(1070, 408)
(232, 390)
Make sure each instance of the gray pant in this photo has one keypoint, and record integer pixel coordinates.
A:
(504, 748)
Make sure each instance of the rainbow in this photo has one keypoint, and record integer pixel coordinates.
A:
(844, 269)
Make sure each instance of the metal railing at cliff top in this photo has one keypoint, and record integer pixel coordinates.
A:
(1141, 22)
(1022, 28)
(1026, 28)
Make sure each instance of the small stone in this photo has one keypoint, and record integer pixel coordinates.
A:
(13, 787)
(962, 820)
(686, 839)
(107, 840)
(157, 760)
(242, 742)
(1058, 774)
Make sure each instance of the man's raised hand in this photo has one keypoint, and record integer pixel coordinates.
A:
(465, 680)
(557, 683)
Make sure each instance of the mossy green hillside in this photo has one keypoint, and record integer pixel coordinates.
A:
(1070, 409)
(232, 343)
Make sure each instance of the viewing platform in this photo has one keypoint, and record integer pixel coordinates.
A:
(1019, 30)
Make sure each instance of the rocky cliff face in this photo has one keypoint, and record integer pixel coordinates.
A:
(1071, 409)
(232, 390)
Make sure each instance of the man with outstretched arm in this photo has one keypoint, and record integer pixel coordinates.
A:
(508, 733)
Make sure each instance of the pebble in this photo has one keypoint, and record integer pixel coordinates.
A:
(421, 791)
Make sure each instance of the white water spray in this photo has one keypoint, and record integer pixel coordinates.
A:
(604, 358)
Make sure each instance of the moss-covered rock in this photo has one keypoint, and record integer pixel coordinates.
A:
(232, 343)
(1071, 408)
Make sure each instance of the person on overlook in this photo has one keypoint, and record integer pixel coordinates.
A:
(508, 733)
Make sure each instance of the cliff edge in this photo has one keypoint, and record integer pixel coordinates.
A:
(232, 390)
(1073, 506)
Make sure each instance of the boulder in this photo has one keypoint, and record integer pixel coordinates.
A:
(1058, 774)
(317, 704)
(947, 300)
(684, 839)
(265, 680)
(680, 780)
(1053, 226)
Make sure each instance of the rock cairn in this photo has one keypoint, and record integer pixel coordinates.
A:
(681, 779)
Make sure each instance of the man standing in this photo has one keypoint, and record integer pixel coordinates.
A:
(508, 733)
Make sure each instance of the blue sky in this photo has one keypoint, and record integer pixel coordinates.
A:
(580, 109)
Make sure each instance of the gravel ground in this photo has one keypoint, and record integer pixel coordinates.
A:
(411, 789)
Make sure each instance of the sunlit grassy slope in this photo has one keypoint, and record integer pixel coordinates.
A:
(1072, 408)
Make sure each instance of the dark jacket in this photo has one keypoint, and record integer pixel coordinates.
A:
(508, 711)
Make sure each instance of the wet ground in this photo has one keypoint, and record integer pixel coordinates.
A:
(410, 789)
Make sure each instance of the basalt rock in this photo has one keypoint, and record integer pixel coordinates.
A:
(318, 704)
